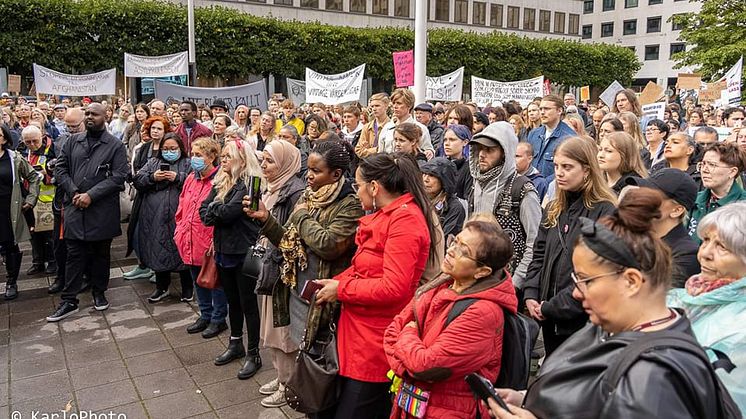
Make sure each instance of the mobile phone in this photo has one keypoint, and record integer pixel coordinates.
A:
(254, 191)
(309, 289)
(164, 167)
(483, 389)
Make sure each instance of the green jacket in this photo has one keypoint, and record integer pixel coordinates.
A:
(703, 207)
(22, 170)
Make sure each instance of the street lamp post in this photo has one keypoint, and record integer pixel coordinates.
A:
(192, 52)
(420, 49)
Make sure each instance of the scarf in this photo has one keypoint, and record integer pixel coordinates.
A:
(287, 159)
(485, 187)
(698, 284)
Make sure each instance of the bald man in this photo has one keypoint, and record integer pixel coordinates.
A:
(90, 170)
(158, 108)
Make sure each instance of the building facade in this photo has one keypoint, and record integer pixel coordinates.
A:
(643, 26)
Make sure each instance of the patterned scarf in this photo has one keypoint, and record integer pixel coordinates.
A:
(698, 284)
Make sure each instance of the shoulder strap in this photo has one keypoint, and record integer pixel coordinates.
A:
(458, 308)
(516, 191)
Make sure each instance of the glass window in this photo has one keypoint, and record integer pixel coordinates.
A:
(401, 8)
(574, 24)
(310, 3)
(480, 13)
(630, 27)
(652, 52)
(675, 26)
(630, 3)
(559, 22)
(677, 47)
(357, 6)
(514, 17)
(461, 11)
(587, 31)
(607, 29)
(545, 19)
(334, 5)
(632, 48)
(496, 15)
(654, 24)
(380, 7)
(587, 6)
(652, 2)
(441, 9)
(609, 5)
(529, 19)
(283, 2)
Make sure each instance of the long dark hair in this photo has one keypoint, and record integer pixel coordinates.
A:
(399, 173)
(336, 155)
(177, 138)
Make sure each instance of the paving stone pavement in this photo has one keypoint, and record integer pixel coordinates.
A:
(134, 359)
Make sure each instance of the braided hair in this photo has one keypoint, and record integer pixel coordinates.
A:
(336, 155)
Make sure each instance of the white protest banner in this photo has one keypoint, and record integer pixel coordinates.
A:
(296, 91)
(251, 95)
(653, 111)
(56, 83)
(484, 92)
(333, 89)
(733, 79)
(446, 88)
(609, 94)
(160, 66)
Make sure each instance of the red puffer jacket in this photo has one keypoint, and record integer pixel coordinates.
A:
(191, 236)
(471, 343)
(392, 249)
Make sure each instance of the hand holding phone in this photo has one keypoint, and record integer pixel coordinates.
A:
(483, 389)
(309, 289)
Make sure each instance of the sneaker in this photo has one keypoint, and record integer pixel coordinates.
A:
(65, 309)
(187, 296)
(152, 280)
(157, 295)
(35, 269)
(277, 399)
(138, 273)
(100, 303)
(270, 388)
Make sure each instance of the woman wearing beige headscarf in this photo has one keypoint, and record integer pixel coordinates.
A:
(280, 164)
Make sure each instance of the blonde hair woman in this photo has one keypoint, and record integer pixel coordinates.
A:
(263, 132)
(518, 126)
(233, 236)
(632, 127)
(619, 158)
(581, 192)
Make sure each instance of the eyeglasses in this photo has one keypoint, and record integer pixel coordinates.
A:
(582, 284)
(459, 250)
(710, 166)
(356, 187)
(649, 130)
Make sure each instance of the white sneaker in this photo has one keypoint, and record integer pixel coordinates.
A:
(270, 388)
(277, 399)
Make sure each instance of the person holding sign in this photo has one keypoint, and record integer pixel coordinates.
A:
(403, 100)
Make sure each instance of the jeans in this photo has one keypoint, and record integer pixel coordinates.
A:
(213, 305)
(242, 304)
(86, 257)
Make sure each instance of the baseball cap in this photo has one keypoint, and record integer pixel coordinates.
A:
(425, 107)
(59, 106)
(675, 183)
(489, 137)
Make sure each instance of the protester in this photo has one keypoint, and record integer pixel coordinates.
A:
(518, 126)
(158, 108)
(460, 115)
(424, 115)
(424, 352)
(315, 127)
(619, 159)
(594, 128)
(289, 117)
(533, 114)
(132, 135)
(47, 127)
(290, 135)
(189, 129)
(656, 134)
(581, 192)
(90, 170)
(205, 117)
(609, 125)
(552, 132)
(59, 118)
(402, 103)
(193, 238)
(715, 300)
(219, 124)
(480, 122)
(393, 246)
(351, 125)
(406, 140)
(705, 136)
(455, 148)
(218, 107)
(631, 126)
(524, 155)
(680, 193)
(626, 101)
(14, 172)
(118, 126)
(241, 117)
(439, 178)
(371, 135)
(265, 132)
(621, 275)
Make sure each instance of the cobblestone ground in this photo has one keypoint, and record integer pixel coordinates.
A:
(134, 359)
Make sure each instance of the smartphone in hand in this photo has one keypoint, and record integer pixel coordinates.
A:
(309, 289)
(164, 167)
(483, 389)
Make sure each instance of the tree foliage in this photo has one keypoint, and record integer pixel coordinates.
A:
(79, 36)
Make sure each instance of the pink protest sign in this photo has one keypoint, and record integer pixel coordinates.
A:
(404, 68)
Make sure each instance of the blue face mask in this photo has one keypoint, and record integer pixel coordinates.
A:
(171, 155)
(198, 164)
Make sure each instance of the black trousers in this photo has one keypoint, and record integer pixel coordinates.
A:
(86, 257)
(42, 248)
(552, 341)
(60, 248)
(242, 304)
(360, 400)
(163, 280)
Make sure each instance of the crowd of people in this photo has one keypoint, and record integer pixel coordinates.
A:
(366, 226)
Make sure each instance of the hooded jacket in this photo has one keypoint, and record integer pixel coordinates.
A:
(450, 211)
(439, 357)
(491, 192)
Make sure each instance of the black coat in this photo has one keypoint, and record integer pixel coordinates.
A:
(464, 181)
(100, 172)
(548, 276)
(684, 249)
(234, 231)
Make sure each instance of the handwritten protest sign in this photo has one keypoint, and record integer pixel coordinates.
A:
(251, 95)
(56, 83)
(332, 89)
(446, 88)
(484, 92)
(404, 68)
(159, 66)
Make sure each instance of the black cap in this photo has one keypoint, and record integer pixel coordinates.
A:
(676, 184)
(218, 103)
(482, 118)
(426, 107)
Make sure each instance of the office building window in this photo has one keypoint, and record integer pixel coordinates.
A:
(479, 14)
(401, 8)
(675, 26)
(380, 7)
(461, 11)
(559, 22)
(609, 5)
(334, 5)
(441, 9)
(654, 24)
(514, 17)
(529, 19)
(677, 47)
(574, 23)
(545, 20)
(587, 31)
(652, 52)
(630, 27)
(653, 2)
(632, 48)
(314, 4)
(283, 2)
(607, 29)
(496, 15)
(357, 6)
(630, 3)
(587, 6)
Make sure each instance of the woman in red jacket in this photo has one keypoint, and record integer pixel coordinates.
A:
(194, 238)
(434, 357)
(393, 243)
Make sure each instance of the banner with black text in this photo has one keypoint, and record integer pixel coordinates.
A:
(159, 66)
(55, 83)
(251, 95)
(333, 89)
(485, 92)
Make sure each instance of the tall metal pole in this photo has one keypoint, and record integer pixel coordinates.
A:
(192, 52)
(420, 49)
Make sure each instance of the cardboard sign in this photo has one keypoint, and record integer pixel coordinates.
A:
(404, 68)
(251, 95)
(485, 92)
(651, 93)
(585, 93)
(688, 81)
(159, 66)
(44, 216)
(14, 83)
(711, 93)
(296, 91)
(333, 89)
(446, 88)
(56, 83)
(609, 95)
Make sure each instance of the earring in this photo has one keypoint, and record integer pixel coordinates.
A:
(375, 207)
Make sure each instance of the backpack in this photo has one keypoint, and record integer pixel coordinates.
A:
(519, 336)
(727, 408)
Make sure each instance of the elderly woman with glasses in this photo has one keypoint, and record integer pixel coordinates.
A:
(622, 272)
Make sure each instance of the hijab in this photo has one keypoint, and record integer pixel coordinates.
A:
(287, 158)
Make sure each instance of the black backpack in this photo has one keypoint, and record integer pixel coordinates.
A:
(519, 336)
(727, 408)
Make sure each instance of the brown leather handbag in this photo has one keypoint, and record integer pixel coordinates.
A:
(208, 274)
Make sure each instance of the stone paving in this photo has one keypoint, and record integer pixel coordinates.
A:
(134, 360)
